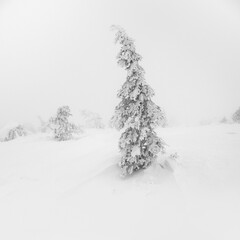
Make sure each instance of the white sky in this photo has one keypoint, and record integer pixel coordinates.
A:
(62, 52)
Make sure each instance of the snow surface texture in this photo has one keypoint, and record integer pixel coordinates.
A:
(72, 190)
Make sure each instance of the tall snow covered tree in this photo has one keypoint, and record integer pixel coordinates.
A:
(137, 114)
(61, 126)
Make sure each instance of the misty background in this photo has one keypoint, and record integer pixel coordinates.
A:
(55, 53)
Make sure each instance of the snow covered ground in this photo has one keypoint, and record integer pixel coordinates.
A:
(72, 190)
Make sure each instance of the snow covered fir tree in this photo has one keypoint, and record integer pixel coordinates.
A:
(137, 114)
(62, 129)
(236, 116)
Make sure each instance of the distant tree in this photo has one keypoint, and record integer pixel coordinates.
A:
(13, 133)
(44, 125)
(223, 120)
(236, 116)
(91, 119)
(62, 129)
(137, 114)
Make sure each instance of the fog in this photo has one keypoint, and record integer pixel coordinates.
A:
(55, 53)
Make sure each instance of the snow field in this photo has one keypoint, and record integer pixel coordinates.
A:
(72, 190)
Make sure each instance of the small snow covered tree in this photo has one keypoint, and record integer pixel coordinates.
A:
(13, 133)
(60, 125)
(236, 116)
(137, 114)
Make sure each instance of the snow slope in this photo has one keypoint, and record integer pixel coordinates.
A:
(72, 190)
